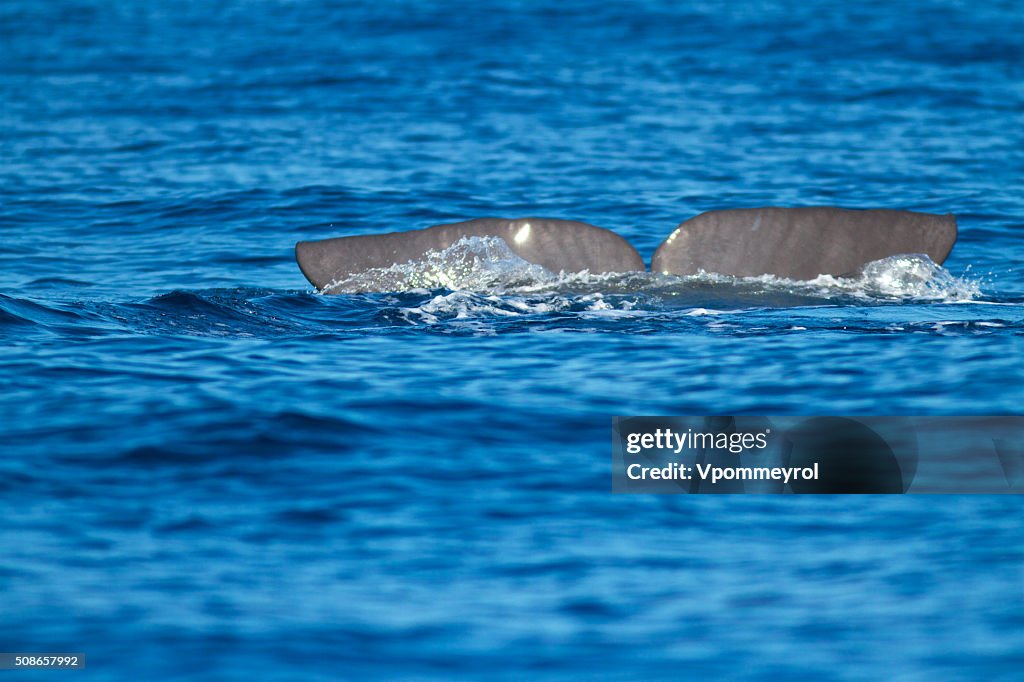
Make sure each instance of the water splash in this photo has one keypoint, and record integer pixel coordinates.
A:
(482, 275)
(917, 277)
(472, 263)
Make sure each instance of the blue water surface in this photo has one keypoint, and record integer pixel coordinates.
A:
(210, 471)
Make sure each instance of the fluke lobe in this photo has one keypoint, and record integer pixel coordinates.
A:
(800, 243)
(557, 245)
(796, 243)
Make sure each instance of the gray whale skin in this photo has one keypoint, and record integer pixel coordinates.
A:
(797, 243)
(556, 245)
(800, 243)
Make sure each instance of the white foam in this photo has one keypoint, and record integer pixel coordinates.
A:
(472, 263)
(914, 276)
(909, 277)
(699, 312)
(481, 277)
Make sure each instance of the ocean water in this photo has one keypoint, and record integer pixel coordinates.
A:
(210, 471)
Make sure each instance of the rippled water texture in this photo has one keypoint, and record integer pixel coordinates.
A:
(210, 471)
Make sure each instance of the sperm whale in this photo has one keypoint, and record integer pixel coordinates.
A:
(797, 243)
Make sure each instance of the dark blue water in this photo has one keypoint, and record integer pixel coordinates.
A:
(210, 471)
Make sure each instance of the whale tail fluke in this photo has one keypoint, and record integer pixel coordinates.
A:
(794, 243)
